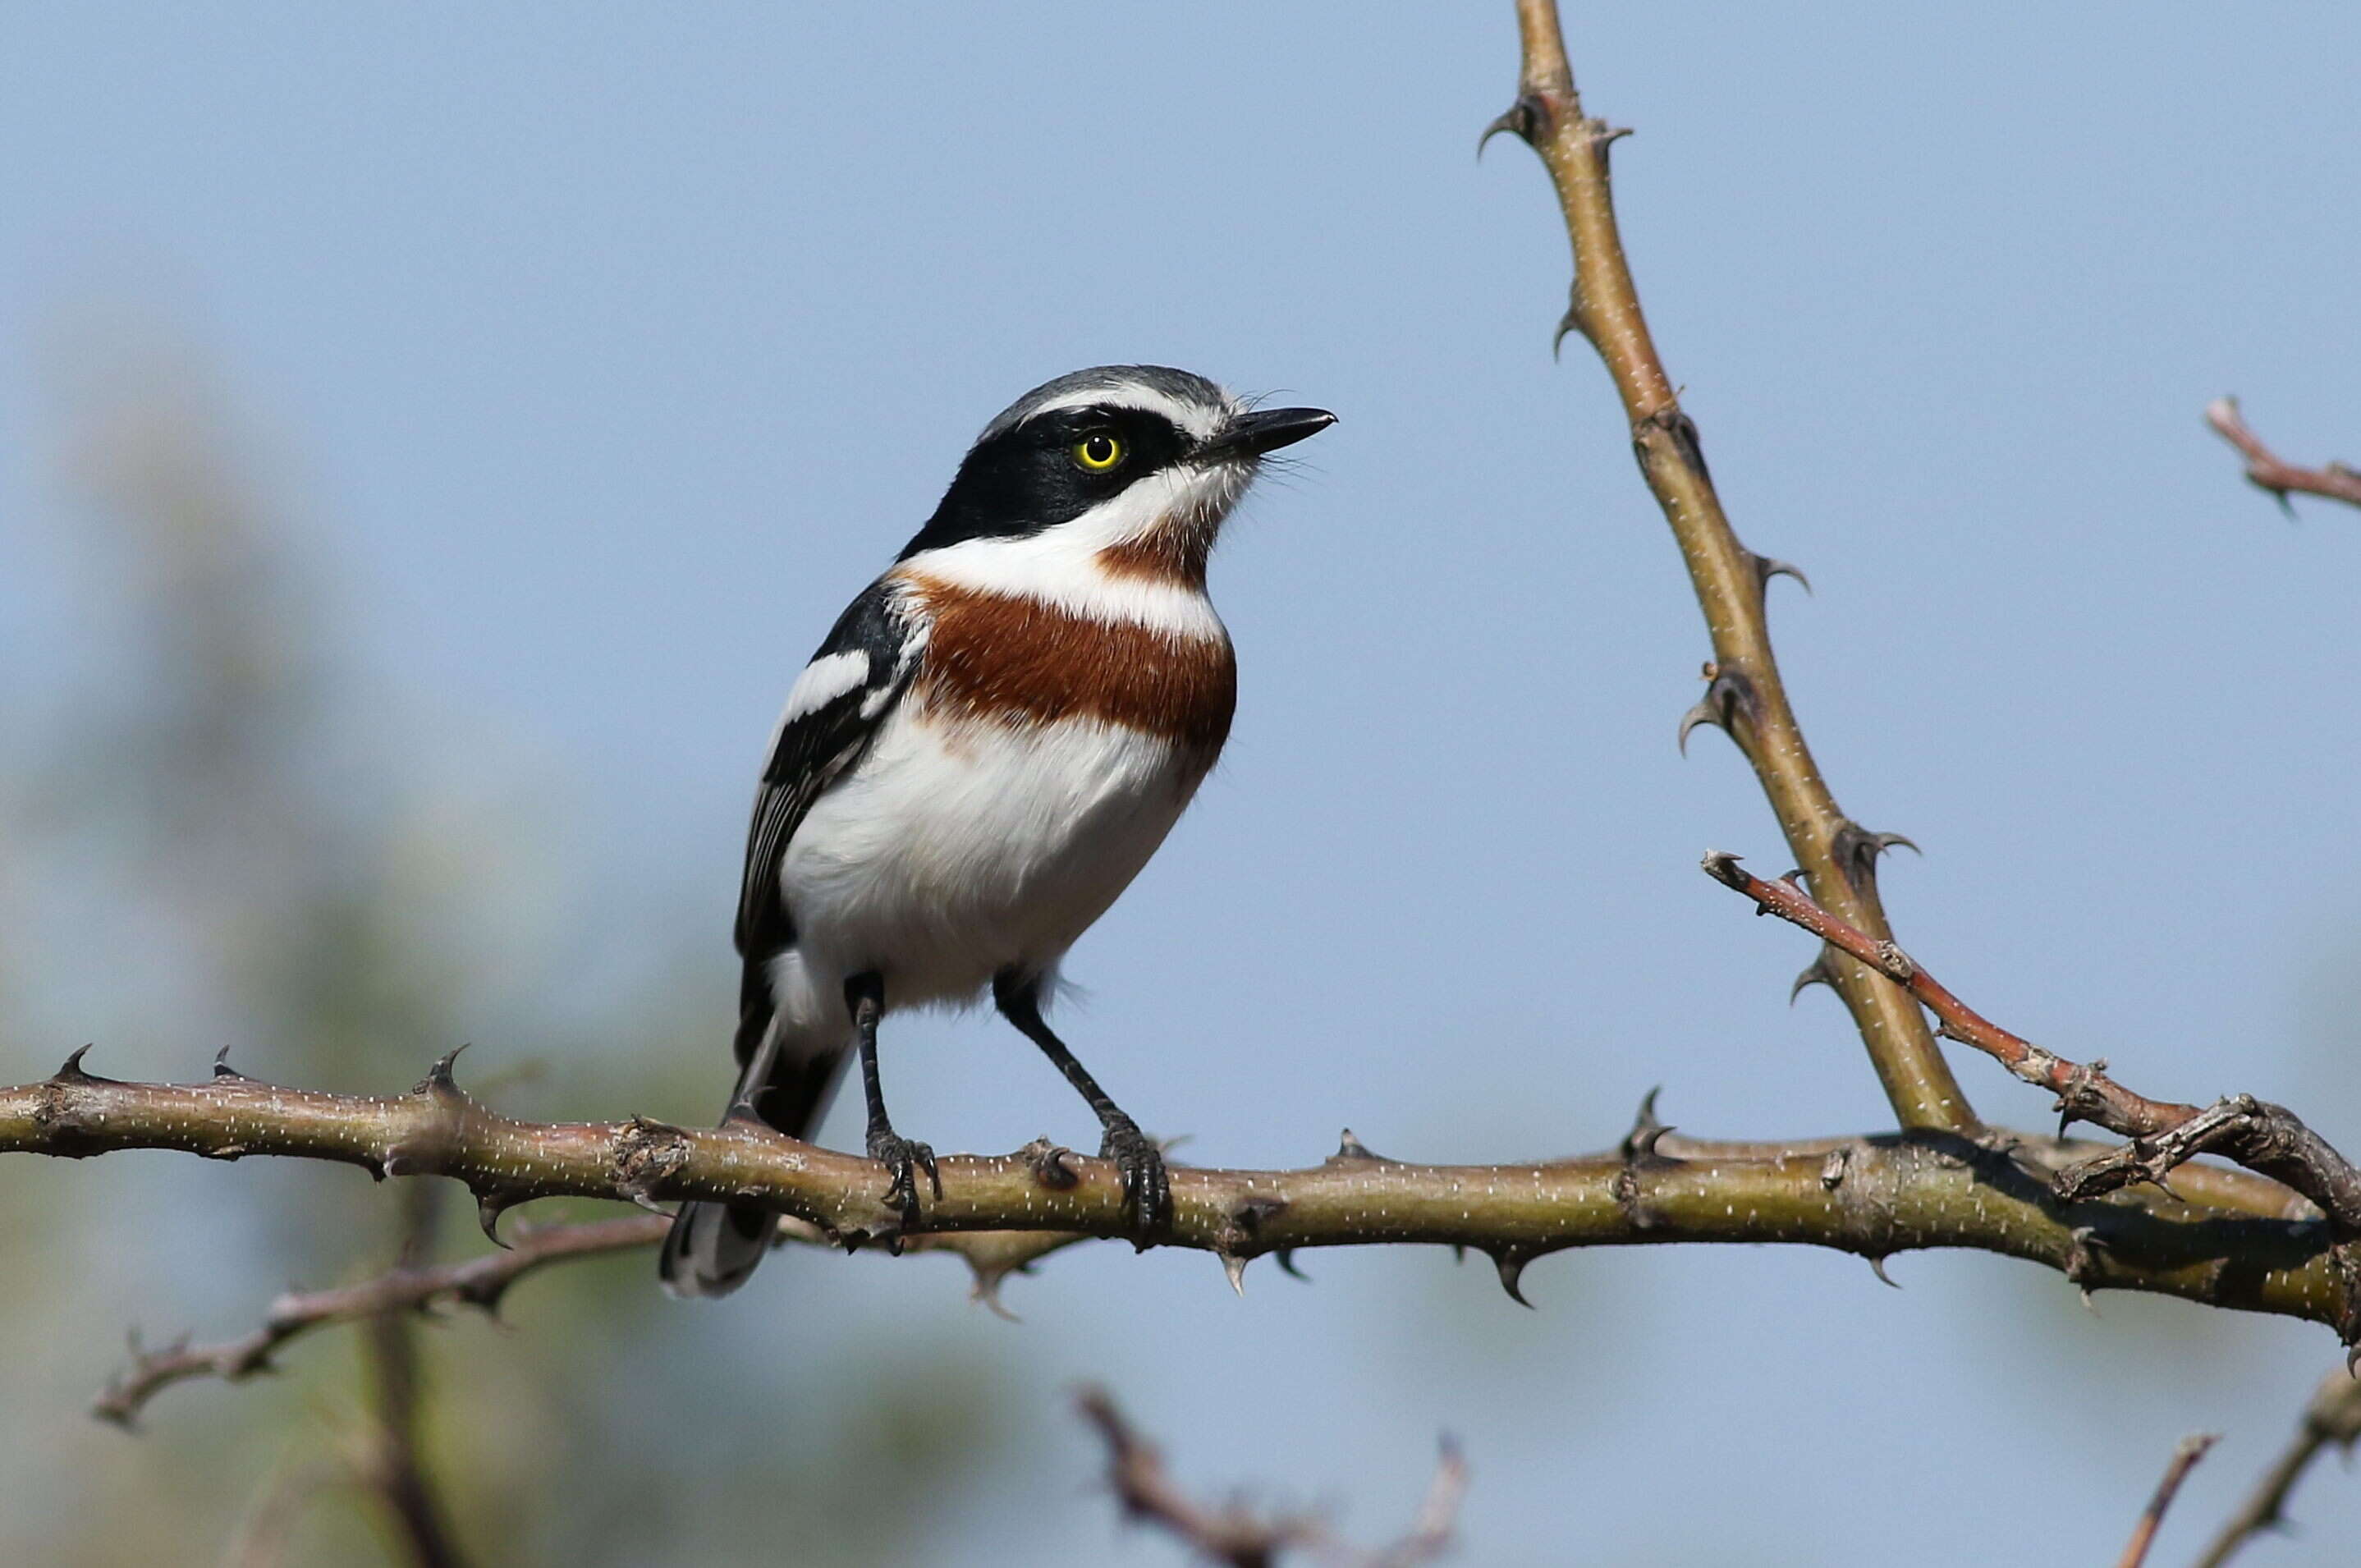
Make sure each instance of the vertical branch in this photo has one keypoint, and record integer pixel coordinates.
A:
(2184, 1457)
(1747, 697)
(397, 1469)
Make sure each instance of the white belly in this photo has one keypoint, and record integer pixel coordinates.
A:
(951, 852)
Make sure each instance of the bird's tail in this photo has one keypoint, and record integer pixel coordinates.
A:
(712, 1247)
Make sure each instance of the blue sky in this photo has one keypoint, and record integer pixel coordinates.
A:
(603, 352)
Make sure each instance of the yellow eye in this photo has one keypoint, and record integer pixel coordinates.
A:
(1098, 452)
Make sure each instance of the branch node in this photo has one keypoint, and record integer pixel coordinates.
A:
(1048, 1162)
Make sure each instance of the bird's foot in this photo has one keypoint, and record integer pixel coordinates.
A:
(1147, 1189)
(904, 1158)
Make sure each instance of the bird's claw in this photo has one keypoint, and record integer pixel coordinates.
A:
(1147, 1188)
(904, 1158)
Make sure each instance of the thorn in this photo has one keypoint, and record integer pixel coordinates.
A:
(1817, 972)
(491, 1204)
(985, 1290)
(1725, 689)
(438, 1078)
(1458, 1251)
(221, 1065)
(1234, 1265)
(1856, 849)
(71, 1072)
(1877, 1267)
(1511, 1266)
(1350, 1150)
(1767, 567)
(1519, 120)
(1640, 1143)
(1567, 323)
(1704, 712)
(1286, 1255)
(639, 1195)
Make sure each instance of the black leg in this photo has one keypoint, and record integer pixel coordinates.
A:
(865, 995)
(1147, 1189)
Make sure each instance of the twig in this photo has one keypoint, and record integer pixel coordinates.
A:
(2266, 1138)
(483, 1282)
(480, 1282)
(2254, 1247)
(2267, 471)
(1235, 1534)
(2332, 1416)
(2184, 1457)
(1746, 695)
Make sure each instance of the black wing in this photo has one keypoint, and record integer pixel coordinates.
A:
(835, 709)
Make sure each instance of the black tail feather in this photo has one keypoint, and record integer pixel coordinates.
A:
(712, 1247)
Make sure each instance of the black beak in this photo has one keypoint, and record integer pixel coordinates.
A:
(1267, 430)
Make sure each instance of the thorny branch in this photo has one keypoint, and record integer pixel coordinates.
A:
(2184, 1459)
(2227, 1239)
(1237, 1536)
(481, 1283)
(2268, 1139)
(2333, 1416)
(2267, 471)
(1746, 695)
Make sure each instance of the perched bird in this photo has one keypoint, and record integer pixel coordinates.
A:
(983, 752)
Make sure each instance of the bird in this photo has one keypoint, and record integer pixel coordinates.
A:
(985, 750)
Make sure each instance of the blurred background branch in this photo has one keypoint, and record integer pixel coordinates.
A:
(2331, 1418)
(1241, 1537)
(2266, 470)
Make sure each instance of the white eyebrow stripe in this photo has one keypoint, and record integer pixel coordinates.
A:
(1196, 418)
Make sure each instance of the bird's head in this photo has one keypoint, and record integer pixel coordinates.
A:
(1136, 464)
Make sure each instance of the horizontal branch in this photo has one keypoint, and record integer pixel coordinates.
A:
(2238, 1242)
(2264, 468)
